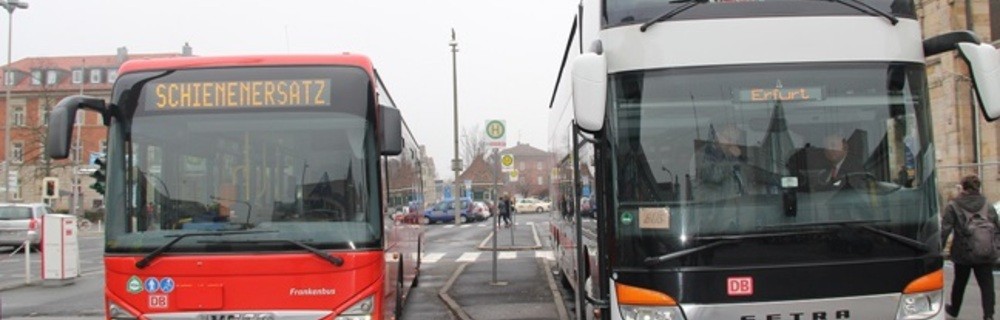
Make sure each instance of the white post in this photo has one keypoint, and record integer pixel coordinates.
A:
(27, 261)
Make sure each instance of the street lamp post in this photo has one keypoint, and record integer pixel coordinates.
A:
(10, 5)
(456, 164)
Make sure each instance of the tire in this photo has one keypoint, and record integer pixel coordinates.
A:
(425, 220)
(539, 209)
(399, 292)
(420, 254)
(463, 219)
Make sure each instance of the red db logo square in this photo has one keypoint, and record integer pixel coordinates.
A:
(739, 286)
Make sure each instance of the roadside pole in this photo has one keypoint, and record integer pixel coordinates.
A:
(496, 204)
(27, 261)
(496, 139)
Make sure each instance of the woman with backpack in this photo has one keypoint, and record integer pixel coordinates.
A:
(974, 224)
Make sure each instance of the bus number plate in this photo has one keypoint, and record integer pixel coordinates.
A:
(739, 286)
(158, 301)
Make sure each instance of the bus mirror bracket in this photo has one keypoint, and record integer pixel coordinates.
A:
(392, 131)
(590, 78)
(61, 121)
(984, 66)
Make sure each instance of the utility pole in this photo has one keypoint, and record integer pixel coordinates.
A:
(10, 6)
(456, 163)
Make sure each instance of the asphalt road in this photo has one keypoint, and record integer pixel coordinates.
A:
(447, 247)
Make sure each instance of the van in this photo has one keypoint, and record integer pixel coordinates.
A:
(20, 221)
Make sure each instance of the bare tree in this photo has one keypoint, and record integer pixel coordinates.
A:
(35, 164)
(473, 144)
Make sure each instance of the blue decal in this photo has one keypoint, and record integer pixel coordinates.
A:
(167, 285)
(152, 285)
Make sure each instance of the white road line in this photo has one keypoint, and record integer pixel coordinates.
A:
(465, 226)
(481, 225)
(507, 255)
(469, 257)
(449, 226)
(544, 254)
(432, 257)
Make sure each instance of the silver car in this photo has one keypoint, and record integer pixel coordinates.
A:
(20, 221)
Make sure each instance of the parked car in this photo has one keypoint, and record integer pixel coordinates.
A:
(481, 210)
(532, 205)
(20, 221)
(443, 212)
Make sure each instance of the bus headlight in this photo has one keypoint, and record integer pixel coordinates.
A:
(362, 310)
(637, 303)
(918, 306)
(118, 313)
(650, 313)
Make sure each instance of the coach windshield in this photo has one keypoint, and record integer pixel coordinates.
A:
(800, 163)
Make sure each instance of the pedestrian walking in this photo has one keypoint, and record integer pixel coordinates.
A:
(505, 209)
(974, 225)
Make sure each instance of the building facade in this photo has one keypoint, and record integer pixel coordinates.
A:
(37, 84)
(965, 143)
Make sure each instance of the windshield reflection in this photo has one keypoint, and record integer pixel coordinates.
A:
(733, 150)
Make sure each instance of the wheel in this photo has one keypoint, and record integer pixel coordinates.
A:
(425, 220)
(539, 209)
(463, 219)
(399, 292)
(420, 255)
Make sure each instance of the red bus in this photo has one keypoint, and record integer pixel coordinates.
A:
(254, 187)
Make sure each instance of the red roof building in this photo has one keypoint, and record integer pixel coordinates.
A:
(37, 84)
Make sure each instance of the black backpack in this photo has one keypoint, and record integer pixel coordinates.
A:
(980, 235)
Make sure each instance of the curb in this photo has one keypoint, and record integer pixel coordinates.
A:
(453, 306)
(556, 295)
(534, 231)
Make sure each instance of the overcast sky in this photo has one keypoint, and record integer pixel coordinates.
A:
(509, 50)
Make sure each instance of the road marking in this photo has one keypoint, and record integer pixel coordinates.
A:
(507, 255)
(469, 257)
(464, 226)
(431, 257)
(481, 225)
(449, 226)
(530, 223)
(544, 254)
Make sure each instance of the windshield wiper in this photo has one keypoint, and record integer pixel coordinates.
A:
(335, 260)
(864, 225)
(688, 4)
(652, 261)
(177, 237)
(864, 7)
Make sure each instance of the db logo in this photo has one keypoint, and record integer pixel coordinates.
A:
(739, 286)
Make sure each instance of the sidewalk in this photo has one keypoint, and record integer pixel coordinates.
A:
(525, 288)
(525, 237)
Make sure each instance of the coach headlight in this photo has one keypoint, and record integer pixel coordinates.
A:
(362, 310)
(922, 298)
(643, 304)
(919, 306)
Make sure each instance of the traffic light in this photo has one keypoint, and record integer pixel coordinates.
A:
(50, 187)
(99, 175)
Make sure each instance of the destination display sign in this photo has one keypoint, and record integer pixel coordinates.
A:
(239, 94)
(782, 94)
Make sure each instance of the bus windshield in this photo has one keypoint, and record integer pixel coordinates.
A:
(627, 12)
(255, 159)
(794, 155)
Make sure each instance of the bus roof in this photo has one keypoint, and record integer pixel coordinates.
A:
(244, 61)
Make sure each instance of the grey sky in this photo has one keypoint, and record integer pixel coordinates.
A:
(509, 50)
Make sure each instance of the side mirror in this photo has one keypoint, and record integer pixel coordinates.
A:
(392, 131)
(590, 79)
(61, 121)
(984, 64)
